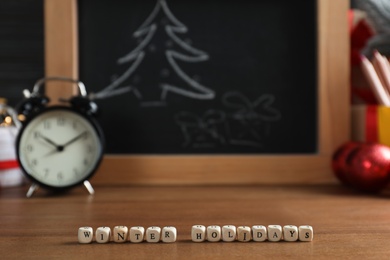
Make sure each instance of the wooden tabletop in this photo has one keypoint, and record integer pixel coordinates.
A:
(346, 224)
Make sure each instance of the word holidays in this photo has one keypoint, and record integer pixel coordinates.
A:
(257, 233)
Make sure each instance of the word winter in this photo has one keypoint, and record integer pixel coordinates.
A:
(121, 234)
(258, 233)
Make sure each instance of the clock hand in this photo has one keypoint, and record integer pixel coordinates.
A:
(51, 152)
(58, 147)
(74, 139)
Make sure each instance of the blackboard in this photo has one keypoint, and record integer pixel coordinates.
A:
(202, 77)
(21, 47)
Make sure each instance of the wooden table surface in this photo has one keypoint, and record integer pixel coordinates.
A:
(346, 224)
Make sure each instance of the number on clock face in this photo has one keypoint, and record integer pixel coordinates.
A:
(59, 148)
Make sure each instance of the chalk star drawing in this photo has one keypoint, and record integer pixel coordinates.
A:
(157, 38)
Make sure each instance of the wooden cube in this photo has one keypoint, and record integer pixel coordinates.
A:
(119, 234)
(153, 234)
(305, 233)
(259, 233)
(214, 233)
(136, 234)
(168, 234)
(85, 235)
(290, 233)
(103, 234)
(244, 234)
(229, 233)
(198, 233)
(274, 233)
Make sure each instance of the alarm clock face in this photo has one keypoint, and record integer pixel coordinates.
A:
(59, 148)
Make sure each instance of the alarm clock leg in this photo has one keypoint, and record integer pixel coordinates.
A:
(31, 190)
(89, 187)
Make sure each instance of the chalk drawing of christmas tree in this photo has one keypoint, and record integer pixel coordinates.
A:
(152, 68)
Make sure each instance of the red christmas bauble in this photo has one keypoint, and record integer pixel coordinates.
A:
(369, 167)
(339, 160)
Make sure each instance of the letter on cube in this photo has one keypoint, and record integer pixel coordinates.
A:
(213, 233)
(85, 235)
(168, 234)
(290, 233)
(198, 233)
(119, 234)
(103, 234)
(153, 234)
(136, 234)
(229, 233)
(305, 233)
(259, 233)
(274, 233)
(244, 234)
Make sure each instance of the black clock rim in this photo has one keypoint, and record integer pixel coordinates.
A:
(95, 126)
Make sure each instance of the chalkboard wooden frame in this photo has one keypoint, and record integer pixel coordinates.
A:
(61, 58)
